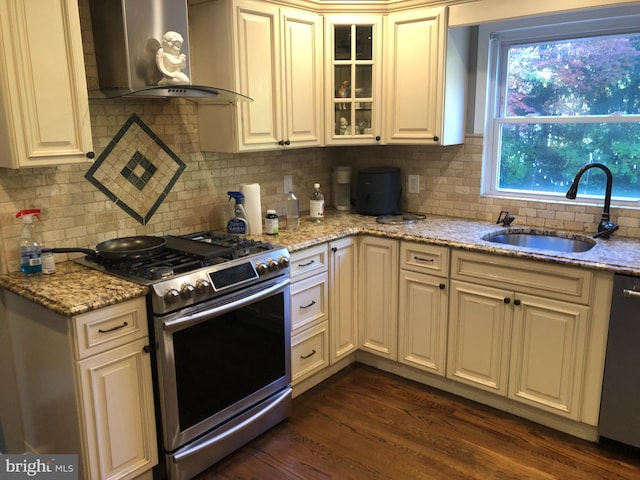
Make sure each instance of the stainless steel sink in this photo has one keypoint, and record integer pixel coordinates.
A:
(543, 240)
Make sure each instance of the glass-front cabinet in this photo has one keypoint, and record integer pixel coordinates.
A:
(353, 89)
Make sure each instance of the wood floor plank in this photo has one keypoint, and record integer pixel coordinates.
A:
(364, 424)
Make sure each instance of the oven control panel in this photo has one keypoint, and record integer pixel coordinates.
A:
(214, 281)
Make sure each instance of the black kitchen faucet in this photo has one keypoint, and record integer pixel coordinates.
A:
(605, 227)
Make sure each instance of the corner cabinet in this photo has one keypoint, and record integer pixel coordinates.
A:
(425, 78)
(270, 53)
(378, 307)
(353, 90)
(85, 386)
(44, 106)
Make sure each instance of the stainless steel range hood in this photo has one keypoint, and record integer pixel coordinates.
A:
(142, 51)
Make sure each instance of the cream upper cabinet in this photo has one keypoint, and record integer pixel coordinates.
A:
(343, 295)
(353, 85)
(425, 78)
(521, 330)
(378, 308)
(44, 117)
(270, 53)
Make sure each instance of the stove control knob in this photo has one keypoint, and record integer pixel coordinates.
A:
(187, 290)
(272, 265)
(283, 262)
(202, 286)
(261, 268)
(171, 296)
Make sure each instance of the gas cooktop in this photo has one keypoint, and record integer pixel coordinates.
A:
(180, 255)
(197, 267)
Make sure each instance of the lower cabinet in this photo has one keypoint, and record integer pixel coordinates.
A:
(309, 312)
(343, 295)
(117, 407)
(378, 296)
(85, 386)
(531, 348)
(422, 310)
(532, 334)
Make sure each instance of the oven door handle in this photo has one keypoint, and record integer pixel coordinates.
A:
(201, 315)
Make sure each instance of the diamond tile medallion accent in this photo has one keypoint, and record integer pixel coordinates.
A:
(136, 170)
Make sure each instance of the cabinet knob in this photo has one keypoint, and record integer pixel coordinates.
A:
(91, 155)
(146, 349)
(377, 138)
(517, 302)
(507, 300)
(441, 286)
(436, 138)
(334, 249)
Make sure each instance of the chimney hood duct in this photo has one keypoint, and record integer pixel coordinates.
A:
(142, 51)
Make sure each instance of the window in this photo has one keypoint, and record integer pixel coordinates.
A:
(563, 97)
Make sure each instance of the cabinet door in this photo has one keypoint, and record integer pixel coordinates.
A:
(302, 78)
(44, 109)
(118, 412)
(354, 79)
(258, 54)
(422, 321)
(547, 354)
(378, 312)
(343, 295)
(479, 336)
(414, 75)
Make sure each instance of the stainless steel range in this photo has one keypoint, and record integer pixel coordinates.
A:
(219, 320)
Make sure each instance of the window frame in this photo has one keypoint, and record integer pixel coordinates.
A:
(493, 42)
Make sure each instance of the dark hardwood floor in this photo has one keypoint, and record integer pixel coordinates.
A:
(366, 424)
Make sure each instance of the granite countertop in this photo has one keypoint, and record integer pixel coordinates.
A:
(76, 289)
(617, 254)
(73, 289)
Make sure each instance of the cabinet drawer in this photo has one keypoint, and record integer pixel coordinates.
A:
(309, 301)
(560, 282)
(307, 262)
(110, 327)
(309, 352)
(422, 258)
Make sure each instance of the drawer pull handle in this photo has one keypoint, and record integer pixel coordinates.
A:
(117, 327)
(630, 293)
(302, 265)
(313, 302)
(420, 259)
(304, 357)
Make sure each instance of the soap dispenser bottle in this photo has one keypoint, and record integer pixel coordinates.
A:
(30, 250)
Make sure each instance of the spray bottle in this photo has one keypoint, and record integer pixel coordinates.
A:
(30, 250)
(239, 224)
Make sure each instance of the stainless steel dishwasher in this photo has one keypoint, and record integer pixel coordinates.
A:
(620, 407)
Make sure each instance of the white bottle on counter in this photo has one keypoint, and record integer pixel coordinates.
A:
(48, 262)
(316, 204)
(271, 223)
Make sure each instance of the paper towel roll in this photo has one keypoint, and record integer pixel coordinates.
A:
(252, 206)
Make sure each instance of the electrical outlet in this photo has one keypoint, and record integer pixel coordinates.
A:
(288, 183)
(414, 183)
